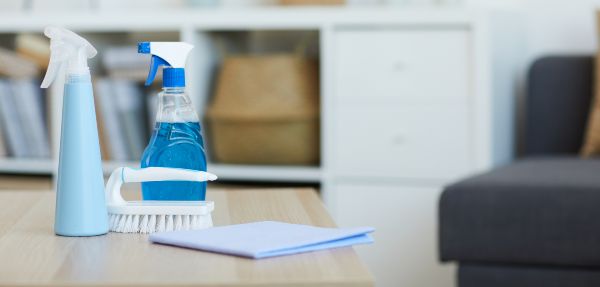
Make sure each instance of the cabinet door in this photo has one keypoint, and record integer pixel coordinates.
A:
(401, 104)
(404, 65)
(414, 142)
(405, 219)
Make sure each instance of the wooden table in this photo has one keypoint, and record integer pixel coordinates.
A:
(31, 255)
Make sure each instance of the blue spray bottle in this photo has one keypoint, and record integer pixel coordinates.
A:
(177, 137)
(80, 203)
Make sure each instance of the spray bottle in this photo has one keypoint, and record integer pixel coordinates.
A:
(177, 139)
(80, 203)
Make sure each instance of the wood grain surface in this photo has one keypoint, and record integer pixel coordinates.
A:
(31, 255)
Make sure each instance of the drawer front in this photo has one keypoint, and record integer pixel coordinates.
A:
(402, 65)
(410, 141)
(404, 217)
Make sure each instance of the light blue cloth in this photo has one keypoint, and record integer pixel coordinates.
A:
(265, 239)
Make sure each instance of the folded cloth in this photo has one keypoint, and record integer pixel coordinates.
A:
(264, 239)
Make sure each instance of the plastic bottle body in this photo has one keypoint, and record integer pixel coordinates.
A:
(80, 203)
(176, 142)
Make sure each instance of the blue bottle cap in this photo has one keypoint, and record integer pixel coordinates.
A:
(173, 77)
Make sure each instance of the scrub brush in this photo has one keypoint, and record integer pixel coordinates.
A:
(153, 215)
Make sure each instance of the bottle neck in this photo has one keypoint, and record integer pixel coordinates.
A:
(78, 78)
(175, 106)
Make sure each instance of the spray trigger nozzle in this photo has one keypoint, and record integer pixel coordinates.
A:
(66, 47)
(168, 54)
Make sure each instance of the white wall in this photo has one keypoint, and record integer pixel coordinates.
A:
(551, 27)
(559, 26)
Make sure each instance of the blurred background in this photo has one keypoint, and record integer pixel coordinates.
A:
(376, 103)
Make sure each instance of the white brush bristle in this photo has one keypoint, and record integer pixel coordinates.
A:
(155, 223)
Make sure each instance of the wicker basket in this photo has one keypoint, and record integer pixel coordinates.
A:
(266, 111)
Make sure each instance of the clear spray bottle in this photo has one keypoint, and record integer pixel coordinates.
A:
(177, 137)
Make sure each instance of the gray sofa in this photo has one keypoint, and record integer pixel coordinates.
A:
(535, 222)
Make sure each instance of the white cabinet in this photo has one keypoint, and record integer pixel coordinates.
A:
(405, 219)
(412, 107)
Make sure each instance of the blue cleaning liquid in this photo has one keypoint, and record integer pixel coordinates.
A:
(177, 145)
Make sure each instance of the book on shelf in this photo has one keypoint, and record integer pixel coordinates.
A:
(125, 110)
(111, 132)
(124, 106)
(15, 139)
(131, 109)
(22, 124)
(3, 151)
(102, 135)
(122, 117)
(3, 145)
(29, 105)
(15, 66)
(124, 62)
(124, 57)
(34, 47)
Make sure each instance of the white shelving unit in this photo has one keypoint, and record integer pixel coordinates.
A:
(195, 26)
(411, 99)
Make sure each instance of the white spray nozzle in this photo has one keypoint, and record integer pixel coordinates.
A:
(171, 54)
(69, 48)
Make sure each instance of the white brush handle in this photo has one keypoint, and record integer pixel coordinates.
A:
(165, 173)
(125, 174)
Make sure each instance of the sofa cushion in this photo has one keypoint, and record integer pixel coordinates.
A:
(535, 211)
